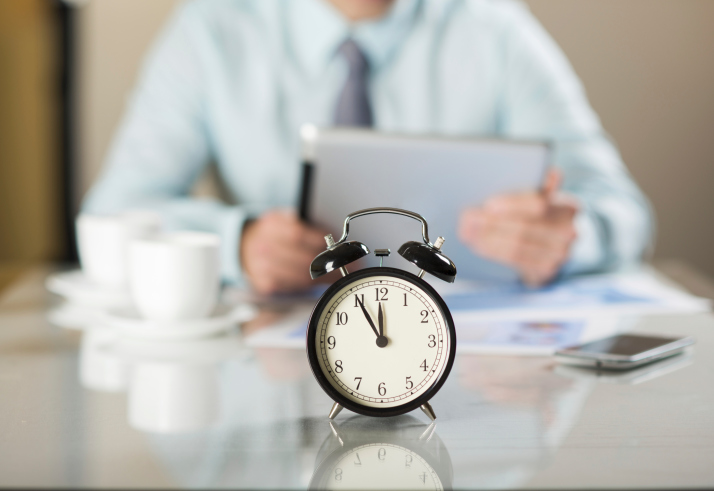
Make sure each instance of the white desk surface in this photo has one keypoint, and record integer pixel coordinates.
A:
(503, 422)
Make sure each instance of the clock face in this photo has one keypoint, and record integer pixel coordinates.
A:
(382, 339)
(381, 466)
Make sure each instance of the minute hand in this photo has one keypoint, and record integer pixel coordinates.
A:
(369, 319)
(380, 319)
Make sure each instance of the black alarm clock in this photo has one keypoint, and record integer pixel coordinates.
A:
(381, 341)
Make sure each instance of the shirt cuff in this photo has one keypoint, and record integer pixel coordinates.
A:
(230, 230)
(588, 251)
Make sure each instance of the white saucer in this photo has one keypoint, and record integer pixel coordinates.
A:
(76, 287)
(128, 322)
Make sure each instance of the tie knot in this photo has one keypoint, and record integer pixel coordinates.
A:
(356, 60)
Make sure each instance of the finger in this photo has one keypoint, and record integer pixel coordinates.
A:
(529, 204)
(277, 282)
(564, 202)
(553, 232)
(535, 280)
(520, 242)
(550, 232)
(522, 255)
(284, 227)
(469, 222)
(553, 180)
(269, 276)
(291, 259)
(314, 238)
(473, 221)
(286, 281)
(534, 264)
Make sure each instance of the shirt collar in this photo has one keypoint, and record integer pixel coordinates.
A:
(317, 30)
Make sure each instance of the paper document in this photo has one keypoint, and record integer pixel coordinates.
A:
(518, 320)
(638, 293)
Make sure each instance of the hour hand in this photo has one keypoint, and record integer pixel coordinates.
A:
(369, 318)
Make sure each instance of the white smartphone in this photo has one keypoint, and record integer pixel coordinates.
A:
(623, 351)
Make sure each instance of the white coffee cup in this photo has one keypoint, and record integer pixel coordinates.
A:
(102, 241)
(175, 276)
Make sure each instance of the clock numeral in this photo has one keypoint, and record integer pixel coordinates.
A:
(408, 461)
(338, 474)
(359, 301)
(382, 389)
(359, 461)
(358, 383)
(338, 366)
(405, 300)
(341, 318)
(381, 454)
(331, 342)
(423, 477)
(432, 341)
(425, 313)
(383, 291)
(423, 365)
(410, 384)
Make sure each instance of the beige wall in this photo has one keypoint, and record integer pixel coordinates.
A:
(647, 66)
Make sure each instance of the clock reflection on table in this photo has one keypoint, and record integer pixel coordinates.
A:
(394, 453)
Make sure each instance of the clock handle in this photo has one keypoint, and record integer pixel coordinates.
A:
(392, 211)
(425, 255)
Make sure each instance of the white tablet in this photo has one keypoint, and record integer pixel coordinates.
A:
(437, 177)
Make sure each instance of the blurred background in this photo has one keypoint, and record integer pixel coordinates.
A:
(67, 68)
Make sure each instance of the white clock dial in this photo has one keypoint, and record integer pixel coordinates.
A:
(360, 363)
(382, 466)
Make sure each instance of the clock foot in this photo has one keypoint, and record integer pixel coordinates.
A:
(428, 410)
(336, 408)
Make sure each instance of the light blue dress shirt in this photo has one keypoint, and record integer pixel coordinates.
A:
(232, 81)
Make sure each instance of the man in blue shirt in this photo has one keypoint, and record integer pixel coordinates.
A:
(233, 80)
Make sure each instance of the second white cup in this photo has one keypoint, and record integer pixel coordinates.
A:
(103, 240)
(175, 276)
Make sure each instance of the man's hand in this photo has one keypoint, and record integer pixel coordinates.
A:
(276, 252)
(532, 232)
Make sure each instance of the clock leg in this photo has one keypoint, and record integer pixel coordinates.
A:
(428, 410)
(336, 408)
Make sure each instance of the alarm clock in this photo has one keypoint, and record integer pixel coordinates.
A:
(381, 341)
(397, 455)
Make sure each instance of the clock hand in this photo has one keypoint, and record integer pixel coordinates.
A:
(380, 319)
(382, 340)
(366, 314)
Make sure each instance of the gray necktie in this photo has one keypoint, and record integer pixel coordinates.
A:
(353, 108)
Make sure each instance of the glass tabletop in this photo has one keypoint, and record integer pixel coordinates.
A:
(89, 409)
